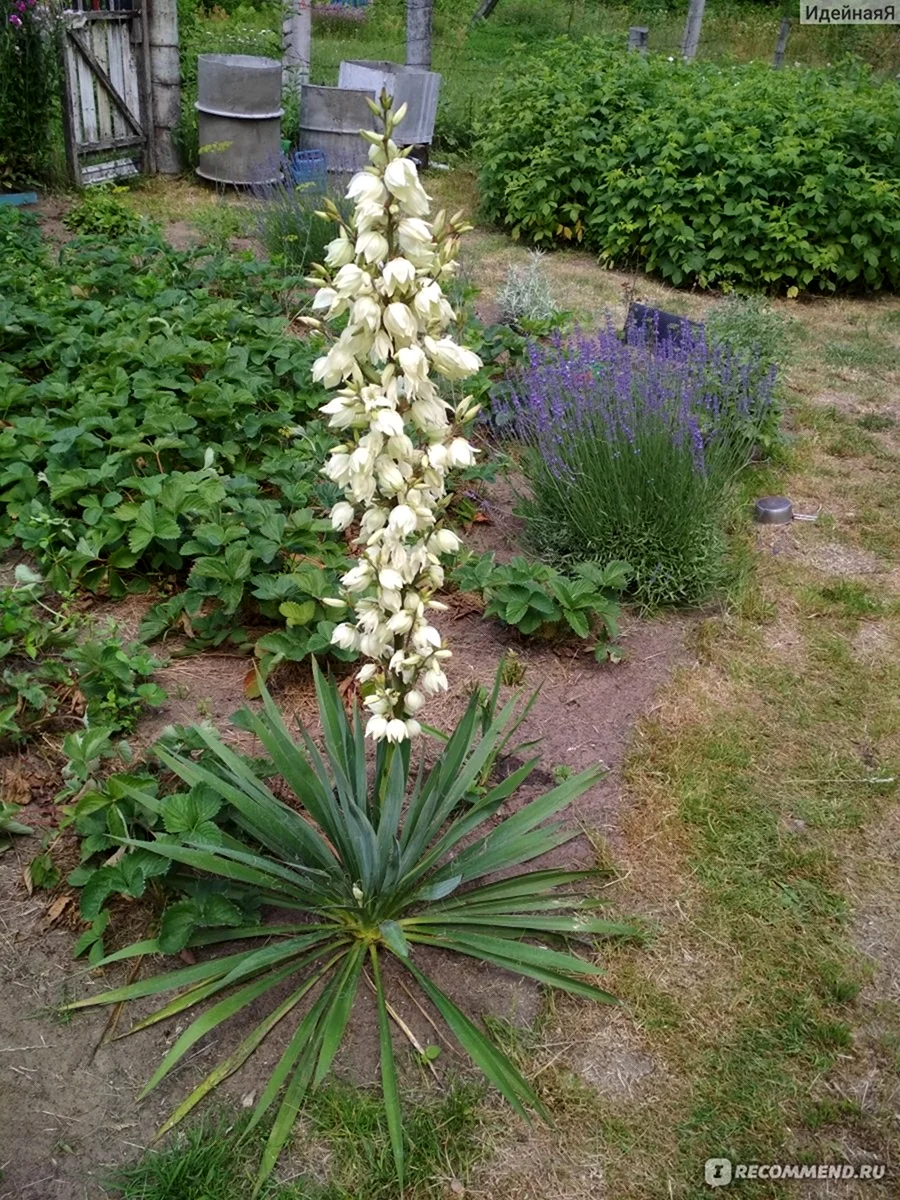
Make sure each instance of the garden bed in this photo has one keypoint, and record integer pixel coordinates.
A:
(758, 709)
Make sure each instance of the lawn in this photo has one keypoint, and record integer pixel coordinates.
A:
(160, 459)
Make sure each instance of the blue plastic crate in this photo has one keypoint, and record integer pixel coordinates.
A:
(308, 166)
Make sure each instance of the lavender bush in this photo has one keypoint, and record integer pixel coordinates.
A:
(631, 451)
(287, 219)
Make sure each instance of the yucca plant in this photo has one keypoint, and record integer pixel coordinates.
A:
(371, 863)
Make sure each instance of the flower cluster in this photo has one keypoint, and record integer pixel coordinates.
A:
(21, 7)
(384, 272)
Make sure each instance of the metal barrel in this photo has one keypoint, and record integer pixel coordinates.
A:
(415, 87)
(330, 121)
(239, 117)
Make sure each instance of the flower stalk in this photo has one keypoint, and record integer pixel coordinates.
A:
(401, 437)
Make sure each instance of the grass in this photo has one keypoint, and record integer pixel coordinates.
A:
(341, 1151)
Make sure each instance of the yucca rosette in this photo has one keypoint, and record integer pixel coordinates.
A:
(400, 437)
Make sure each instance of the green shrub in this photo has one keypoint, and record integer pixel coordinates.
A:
(59, 671)
(756, 336)
(100, 211)
(700, 173)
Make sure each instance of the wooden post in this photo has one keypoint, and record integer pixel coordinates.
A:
(784, 33)
(69, 118)
(692, 26)
(296, 40)
(165, 84)
(418, 33)
(638, 37)
(485, 8)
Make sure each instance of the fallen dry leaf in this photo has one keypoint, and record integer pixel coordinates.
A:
(58, 907)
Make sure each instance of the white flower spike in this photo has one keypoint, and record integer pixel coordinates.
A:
(401, 437)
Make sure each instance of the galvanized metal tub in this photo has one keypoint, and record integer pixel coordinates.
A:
(415, 87)
(330, 121)
(239, 117)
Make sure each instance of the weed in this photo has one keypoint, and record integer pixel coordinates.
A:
(101, 213)
(540, 601)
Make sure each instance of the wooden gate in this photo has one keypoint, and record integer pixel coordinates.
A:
(106, 61)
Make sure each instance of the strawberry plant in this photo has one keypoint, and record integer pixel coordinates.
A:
(59, 670)
(155, 432)
(540, 601)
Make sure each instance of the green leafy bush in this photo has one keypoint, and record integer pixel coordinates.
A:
(700, 173)
(101, 211)
(58, 670)
(141, 801)
(386, 863)
(151, 401)
(540, 601)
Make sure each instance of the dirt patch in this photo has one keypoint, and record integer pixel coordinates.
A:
(50, 211)
(872, 642)
(612, 1061)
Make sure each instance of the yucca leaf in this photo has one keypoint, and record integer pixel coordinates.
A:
(335, 729)
(161, 983)
(215, 1016)
(297, 1044)
(334, 1021)
(530, 883)
(389, 1087)
(286, 830)
(203, 937)
(513, 948)
(185, 999)
(520, 965)
(437, 891)
(393, 791)
(498, 1069)
(268, 956)
(234, 1061)
(307, 776)
(244, 868)
(267, 824)
(394, 938)
(566, 923)
(533, 814)
(302, 1051)
(491, 855)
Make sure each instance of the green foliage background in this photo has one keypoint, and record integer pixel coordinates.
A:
(717, 175)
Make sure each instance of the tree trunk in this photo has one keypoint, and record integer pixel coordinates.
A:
(418, 33)
(296, 38)
(781, 45)
(691, 39)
